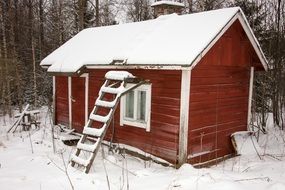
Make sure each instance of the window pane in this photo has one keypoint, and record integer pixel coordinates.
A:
(141, 105)
(129, 105)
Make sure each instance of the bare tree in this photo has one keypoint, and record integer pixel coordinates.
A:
(138, 10)
(207, 5)
(6, 91)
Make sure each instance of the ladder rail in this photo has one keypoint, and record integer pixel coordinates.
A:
(89, 123)
(138, 82)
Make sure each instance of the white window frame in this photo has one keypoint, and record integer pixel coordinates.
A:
(136, 123)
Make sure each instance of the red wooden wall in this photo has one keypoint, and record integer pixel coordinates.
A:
(219, 96)
(218, 102)
(61, 100)
(162, 140)
(78, 103)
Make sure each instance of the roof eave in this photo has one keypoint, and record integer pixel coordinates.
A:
(84, 69)
(140, 66)
(45, 66)
(78, 72)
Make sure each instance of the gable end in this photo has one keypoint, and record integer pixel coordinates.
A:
(239, 16)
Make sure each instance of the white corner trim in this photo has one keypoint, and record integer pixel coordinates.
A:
(86, 96)
(250, 97)
(184, 116)
(53, 99)
(148, 107)
(70, 102)
(122, 103)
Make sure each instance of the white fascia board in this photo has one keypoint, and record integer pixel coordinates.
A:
(254, 42)
(147, 67)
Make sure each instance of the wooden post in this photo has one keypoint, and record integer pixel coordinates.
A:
(184, 115)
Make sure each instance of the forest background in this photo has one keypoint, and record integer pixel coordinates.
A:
(31, 29)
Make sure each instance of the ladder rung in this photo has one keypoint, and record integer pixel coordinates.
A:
(94, 131)
(105, 104)
(87, 147)
(115, 86)
(79, 160)
(100, 118)
(112, 90)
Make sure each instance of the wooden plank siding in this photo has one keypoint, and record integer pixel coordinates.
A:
(219, 91)
(162, 140)
(78, 103)
(61, 100)
(219, 96)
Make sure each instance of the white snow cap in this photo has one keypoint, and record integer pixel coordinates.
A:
(168, 3)
(169, 40)
(246, 144)
(118, 75)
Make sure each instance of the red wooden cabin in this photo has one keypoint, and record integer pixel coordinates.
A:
(200, 67)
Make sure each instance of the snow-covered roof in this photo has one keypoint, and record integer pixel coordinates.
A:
(168, 3)
(169, 40)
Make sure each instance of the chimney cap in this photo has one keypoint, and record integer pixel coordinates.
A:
(164, 2)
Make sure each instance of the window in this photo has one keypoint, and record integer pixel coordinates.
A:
(135, 107)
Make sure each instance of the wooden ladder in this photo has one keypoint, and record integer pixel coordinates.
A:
(115, 84)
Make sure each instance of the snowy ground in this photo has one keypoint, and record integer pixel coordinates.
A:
(20, 168)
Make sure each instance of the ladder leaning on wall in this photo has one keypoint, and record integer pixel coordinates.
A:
(115, 84)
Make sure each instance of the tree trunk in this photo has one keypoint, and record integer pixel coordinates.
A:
(7, 94)
(190, 4)
(41, 27)
(97, 13)
(82, 10)
(34, 74)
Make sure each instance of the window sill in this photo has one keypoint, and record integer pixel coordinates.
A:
(135, 124)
